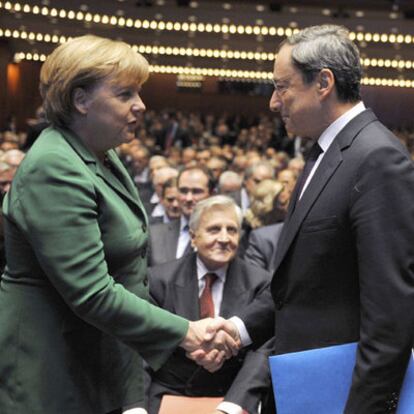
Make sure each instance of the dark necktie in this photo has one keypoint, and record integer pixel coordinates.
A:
(206, 298)
(311, 158)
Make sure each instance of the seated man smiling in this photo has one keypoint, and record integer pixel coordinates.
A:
(212, 281)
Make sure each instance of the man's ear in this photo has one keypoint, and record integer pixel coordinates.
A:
(326, 82)
(192, 237)
(81, 100)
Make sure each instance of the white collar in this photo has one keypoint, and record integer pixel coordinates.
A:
(183, 223)
(327, 136)
(202, 270)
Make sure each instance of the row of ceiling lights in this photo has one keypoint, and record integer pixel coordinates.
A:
(189, 27)
(229, 73)
(200, 52)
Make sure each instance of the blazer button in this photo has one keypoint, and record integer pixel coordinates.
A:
(145, 281)
(144, 227)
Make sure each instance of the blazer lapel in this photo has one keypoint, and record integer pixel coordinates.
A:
(233, 292)
(122, 185)
(330, 162)
(120, 182)
(186, 290)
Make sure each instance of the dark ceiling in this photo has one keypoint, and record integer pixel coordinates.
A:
(369, 19)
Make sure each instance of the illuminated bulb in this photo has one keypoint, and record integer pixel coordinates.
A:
(249, 30)
(185, 26)
(79, 15)
(384, 38)
(153, 25)
(113, 20)
(97, 18)
(376, 37)
(35, 9)
(201, 27)
(177, 26)
(45, 11)
(88, 17)
(209, 27)
(240, 30)
(216, 28)
(121, 21)
(26, 8)
(129, 23)
(105, 19)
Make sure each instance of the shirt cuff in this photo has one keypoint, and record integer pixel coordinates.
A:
(241, 327)
(230, 408)
(135, 411)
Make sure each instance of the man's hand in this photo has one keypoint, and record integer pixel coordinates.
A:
(221, 342)
(202, 335)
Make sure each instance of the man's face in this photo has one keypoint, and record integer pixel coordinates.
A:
(192, 188)
(140, 160)
(170, 203)
(217, 237)
(202, 157)
(298, 103)
(288, 179)
(260, 173)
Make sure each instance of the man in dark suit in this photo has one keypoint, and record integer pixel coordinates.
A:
(169, 241)
(181, 287)
(262, 246)
(344, 268)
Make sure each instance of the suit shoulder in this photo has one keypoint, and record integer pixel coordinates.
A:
(167, 271)
(267, 232)
(258, 273)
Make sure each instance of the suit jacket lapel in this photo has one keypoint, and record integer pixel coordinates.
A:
(171, 239)
(186, 290)
(233, 290)
(330, 162)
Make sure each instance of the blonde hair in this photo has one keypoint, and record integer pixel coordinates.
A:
(81, 63)
(262, 209)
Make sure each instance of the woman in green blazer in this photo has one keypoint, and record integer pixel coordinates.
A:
(74, 315)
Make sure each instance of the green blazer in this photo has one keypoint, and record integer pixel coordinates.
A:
(74, 315)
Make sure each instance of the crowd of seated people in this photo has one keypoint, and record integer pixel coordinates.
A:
(179, 162)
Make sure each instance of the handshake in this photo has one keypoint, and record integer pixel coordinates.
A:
(209, 342)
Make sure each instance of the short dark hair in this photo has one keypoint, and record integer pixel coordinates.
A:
(328, 47)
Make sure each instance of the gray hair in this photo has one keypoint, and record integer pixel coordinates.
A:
(209, 203)
(230, 176)
(250, 170)
(328, 47)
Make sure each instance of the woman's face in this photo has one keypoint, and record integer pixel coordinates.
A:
(112, 113)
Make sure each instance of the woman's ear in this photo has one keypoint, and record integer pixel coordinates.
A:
(81, 100)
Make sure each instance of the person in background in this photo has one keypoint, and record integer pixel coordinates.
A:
(211, 281)
(169, 200)
(168, 241)
(159, 178)
(74, 313)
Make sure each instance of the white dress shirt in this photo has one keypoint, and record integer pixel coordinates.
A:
(330, 133)
(217, 295)
(183, 238)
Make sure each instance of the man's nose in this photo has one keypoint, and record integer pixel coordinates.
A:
(275, 103)
(223, 236)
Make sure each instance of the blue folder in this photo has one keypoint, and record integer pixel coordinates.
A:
(318, 381)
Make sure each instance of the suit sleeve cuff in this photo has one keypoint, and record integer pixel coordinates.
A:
(241, 327)
(229, 408)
